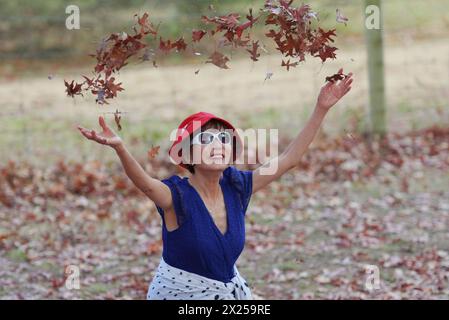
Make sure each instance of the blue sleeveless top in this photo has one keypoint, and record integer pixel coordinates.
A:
(197, 245)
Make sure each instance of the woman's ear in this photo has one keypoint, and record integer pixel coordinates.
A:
(187, 156)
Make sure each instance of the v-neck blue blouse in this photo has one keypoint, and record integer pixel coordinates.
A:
(198, 245)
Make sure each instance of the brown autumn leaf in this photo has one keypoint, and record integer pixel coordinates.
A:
(336, 77)
(168, 45)
(73, 88)
(197, 35)
(218, 59)
(153, 152)
(288, 64)
(290, 27)
(117, 118)
(254, 51)
(251, 21)
(112, 88)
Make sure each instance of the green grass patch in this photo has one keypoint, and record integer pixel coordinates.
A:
(17, 255)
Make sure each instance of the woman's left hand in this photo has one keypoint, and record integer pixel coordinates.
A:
(332, 92)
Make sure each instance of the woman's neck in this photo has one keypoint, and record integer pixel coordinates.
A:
(207, 183)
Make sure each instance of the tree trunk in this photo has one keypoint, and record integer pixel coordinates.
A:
(374, 43)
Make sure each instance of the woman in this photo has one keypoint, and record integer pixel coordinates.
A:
(203, 227)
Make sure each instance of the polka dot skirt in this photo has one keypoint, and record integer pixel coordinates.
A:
(170, 283)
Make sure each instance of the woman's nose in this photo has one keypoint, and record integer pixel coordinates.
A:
(217, 143)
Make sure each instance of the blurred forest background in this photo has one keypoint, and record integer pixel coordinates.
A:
(64, 200)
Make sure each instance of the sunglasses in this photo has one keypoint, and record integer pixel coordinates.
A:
(208, 137)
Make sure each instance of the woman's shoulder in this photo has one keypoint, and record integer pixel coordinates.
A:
(177, 188)
(241, 181)
(232, 171)
(238, 178)
(176, 183)
(174, 179)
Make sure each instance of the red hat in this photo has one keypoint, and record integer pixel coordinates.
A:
(193, 123)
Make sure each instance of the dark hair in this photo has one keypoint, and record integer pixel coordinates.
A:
(211, 124)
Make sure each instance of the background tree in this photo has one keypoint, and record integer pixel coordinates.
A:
(377, 104)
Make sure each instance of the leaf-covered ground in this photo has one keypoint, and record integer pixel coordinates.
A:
(309, 235)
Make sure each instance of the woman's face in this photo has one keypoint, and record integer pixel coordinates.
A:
(212, 149)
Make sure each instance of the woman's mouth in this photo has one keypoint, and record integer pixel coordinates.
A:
(217, 156)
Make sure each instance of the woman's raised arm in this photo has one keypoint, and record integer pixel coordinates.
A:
(329, 95)
(157, 191)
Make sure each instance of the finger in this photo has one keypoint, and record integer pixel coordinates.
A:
(348, 83)
(344, 84)
(102, 123)
(340, 70)
(82, 128)
(347, 90)
(95, 135)
(328, 85)
(86, 134)
(349, 77)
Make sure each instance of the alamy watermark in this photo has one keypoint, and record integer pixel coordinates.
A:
(72, 22)
(373, 17)
(372, 281)
(72, 281)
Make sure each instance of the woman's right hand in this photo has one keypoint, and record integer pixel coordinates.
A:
(107, 136)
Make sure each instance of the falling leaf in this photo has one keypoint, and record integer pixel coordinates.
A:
(288, 64)
(268, 75)
(197, 35)
(153, 152)
(117, 118)
(290, 27)
(73, 88)
(112, 88)
(326, 52)
(219, 60)
(340, 18)
(167, 46)
(251, 21)
(254, 51)
(180, 44)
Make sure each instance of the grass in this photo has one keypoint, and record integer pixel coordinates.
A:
(17, 255)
